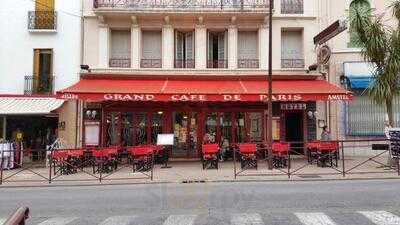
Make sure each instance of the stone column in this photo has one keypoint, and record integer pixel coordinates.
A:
(201, 47)
(135, 44)
(168, 47)
(104, 45)
(232, 47)
(263, 33)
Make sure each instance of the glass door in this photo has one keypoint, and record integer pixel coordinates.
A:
(185, 134)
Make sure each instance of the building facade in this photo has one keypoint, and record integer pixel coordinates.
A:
(40, 54)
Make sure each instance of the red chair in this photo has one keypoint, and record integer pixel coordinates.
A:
(327, 153)
(209, 157)
(280, 153)
(312, 150)
(101, 160)
(60, 162)
(141, 158)
(248, 157)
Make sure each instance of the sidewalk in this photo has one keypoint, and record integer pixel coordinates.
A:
(187, 172)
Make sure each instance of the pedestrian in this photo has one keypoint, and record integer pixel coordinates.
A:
(325, 135)
(224, 148)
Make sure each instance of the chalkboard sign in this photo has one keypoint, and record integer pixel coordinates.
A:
(394, 134)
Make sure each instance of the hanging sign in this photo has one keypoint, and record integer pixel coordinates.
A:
(293, 106)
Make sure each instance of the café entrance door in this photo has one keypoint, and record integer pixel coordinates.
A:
(185, 127)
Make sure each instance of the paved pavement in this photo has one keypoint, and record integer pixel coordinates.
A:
(267, 203)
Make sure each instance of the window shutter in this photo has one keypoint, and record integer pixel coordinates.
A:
(292, 45)
(221, 46)
(120, 44)
(151, 46)
(189, 46)
(210, 46)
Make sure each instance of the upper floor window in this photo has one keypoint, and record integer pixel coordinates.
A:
(151, 49)
(120, 48)
(41, 81)
(292, 49)
(354, 41)
(217, 50)
(44, 17)
(184, 49)
(248, 49)
(292, 7)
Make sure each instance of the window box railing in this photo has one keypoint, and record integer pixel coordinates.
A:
(292, 63)
(222, 63)
(43, 84)
(184, 63)
(42, 20)
(120, 62)
(292, 7)
(150, 63)
(248, 63)
(182, 4)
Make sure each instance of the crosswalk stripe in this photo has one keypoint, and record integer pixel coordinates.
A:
(246, 219)
(120, 220)
(58, 221)
(316, 218)
(180, 220)
(381, 217)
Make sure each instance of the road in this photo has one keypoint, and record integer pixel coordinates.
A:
(241, 203)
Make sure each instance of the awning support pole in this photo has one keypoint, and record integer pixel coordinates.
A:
(269, 120)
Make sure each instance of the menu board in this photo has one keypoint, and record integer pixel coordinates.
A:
(165, 139)
(92, 133)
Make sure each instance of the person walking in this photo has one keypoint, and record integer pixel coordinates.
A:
(325, 135)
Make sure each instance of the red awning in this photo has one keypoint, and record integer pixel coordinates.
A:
(203, 90)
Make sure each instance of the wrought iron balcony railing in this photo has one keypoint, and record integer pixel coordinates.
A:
(42, 20)
(292, 7)
(292, 63)
(248, 63)
(222, 63)
(184, 63)
(182, 5)
(120, 62)
(150, 63)
(43, 84)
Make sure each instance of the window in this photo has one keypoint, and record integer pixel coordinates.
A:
(43, 17)
(151, 49)
(248, 49)
(41, 82)
(2, 127)
(354, 41)
(292, 7)
(292, 49)
(184, 52)
(120, 48)
(217, 50)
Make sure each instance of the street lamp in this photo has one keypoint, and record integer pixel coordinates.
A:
(269, 119)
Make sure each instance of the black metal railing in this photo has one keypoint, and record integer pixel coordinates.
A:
(292, 63)
(248, 63)
(292, 7)
(120, 62)
(150, 63)
(184, 63)
(182, 4)
(43, 84)
(221, 63)
(42, 20)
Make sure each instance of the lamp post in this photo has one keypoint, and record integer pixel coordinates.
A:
(269, 119)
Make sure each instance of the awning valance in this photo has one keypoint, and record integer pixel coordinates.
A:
(29, 105)
(224, 90)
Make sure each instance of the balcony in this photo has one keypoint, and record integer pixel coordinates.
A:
(292, 7)
(184, 63)
(39, 85)
(248, 63)
(120, 62)
(150, 63)
(292, 63)
(183, 5)
(221, 63)
(42, 21)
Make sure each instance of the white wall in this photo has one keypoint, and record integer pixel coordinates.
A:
(17, 44)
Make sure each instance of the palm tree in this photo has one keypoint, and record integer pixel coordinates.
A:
(380, 45)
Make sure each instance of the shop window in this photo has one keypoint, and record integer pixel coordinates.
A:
(193, 133)
(156, 126)
(240, 128)
(226, 127)
(127, 129)
(141, 133)
(255, 127)
(112, 128)
(276, 128)
(211, 127)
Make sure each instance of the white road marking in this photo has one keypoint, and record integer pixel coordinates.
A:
(118, 220)
(2, 220)
(246, 219)
(180, 220)
(382, 217)
(316, 218)
(58, 221)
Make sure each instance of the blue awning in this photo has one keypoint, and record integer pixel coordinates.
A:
(357, 82)
(360, 74)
